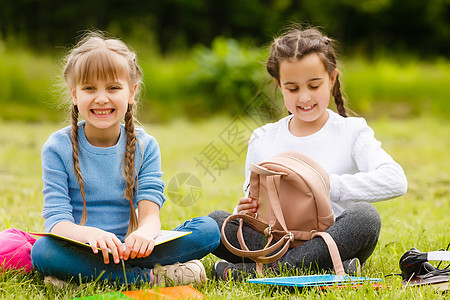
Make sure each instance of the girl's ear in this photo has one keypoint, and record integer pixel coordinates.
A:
(132, 94)
(333, 77)
(73, 92)
(277, 82)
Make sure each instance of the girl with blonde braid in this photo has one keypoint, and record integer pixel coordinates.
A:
(96, 172)
(303, 64)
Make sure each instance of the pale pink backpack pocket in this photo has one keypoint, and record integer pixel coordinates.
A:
(15, 250)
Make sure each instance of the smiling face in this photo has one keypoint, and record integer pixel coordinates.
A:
(306, 88)
(101, 88)
(103, 103)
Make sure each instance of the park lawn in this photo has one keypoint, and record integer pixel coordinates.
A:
(213, 152)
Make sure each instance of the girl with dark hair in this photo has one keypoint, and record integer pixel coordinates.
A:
(303, 64)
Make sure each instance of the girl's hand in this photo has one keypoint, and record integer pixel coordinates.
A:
(247, 205)
(139, 243)
(104, 240)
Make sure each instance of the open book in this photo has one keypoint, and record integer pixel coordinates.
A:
(164, 236)
(314, 280)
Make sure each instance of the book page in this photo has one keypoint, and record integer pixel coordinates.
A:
(164, 236)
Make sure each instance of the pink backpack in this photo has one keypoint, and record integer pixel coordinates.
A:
(15, 250)
(294, 206)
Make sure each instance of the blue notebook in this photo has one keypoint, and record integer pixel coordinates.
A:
(313, 280)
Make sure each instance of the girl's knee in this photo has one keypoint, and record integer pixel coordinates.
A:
(371, 214)
(366, 213)
(209, 231)
(211, 228)
(366, 216)
(363, 217)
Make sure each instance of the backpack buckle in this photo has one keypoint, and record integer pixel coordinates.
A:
(268, 230)
(291, 236)
(311, 233)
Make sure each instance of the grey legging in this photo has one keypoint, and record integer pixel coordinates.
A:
(355, 232)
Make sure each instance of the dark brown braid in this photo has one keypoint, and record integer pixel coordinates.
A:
(338, 99)
(76, 164)
(129, 166)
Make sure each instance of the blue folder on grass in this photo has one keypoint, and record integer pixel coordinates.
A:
(314, 280)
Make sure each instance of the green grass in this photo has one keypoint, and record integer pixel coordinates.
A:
(418, 219)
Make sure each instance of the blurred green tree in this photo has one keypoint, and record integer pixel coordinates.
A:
(417, 26)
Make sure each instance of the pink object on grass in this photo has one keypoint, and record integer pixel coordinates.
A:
(15, 249)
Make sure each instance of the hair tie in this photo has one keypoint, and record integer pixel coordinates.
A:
(327, 43)
(276, 42)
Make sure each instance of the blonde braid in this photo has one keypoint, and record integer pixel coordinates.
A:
(96, 55)
(129, 166)
(76, 164)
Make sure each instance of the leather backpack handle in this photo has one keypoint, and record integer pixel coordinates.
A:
(260, 256)
(334, 251)
(257, 255)
(260, 170)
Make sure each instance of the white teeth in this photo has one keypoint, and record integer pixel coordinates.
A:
(309, 107)
(102, 112)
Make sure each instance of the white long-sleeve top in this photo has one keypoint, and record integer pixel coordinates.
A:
(359, 169)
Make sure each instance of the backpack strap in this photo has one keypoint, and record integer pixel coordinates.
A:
(260, 256)
(334, 251)
(256, 255)
(272, 179)
(273, 185)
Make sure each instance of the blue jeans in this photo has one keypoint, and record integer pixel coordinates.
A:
(52, 257)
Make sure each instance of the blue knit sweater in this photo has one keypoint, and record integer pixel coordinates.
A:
(102, 171)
